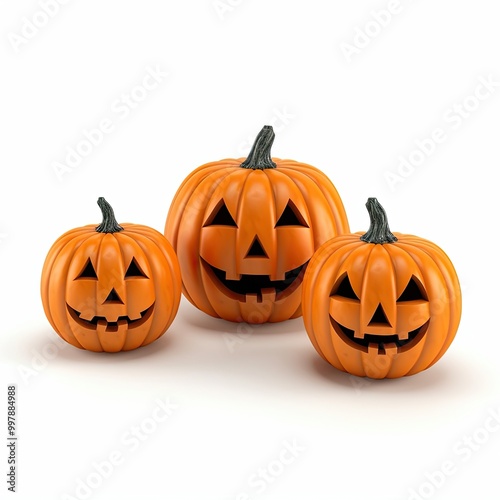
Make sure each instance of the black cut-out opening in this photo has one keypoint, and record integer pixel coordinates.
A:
(344, 289)
(256, 249)
(113, 298)
(220, 216)
(111, 325)
(88, 272)
(381, 340)
(413, 291)
(291, 216)
(134, 270)
(255, 283)
(379, 317)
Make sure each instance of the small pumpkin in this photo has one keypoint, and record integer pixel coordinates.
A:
(111, 287)
(381, 304)
(245, 230)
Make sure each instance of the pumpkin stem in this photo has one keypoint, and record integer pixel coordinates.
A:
(379, 231)
(260, 154)
(108, 224)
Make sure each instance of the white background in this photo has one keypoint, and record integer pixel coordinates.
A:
(241, 393)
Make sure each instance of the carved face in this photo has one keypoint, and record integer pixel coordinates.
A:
(244, 236)
(111, 291)
(255, 243)
(381, 310)
(394, 314)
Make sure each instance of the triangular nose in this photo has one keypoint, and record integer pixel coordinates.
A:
(113, 298)
(379, 317)
(256, 249)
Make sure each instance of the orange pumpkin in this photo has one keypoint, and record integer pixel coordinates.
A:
(111, 288)
(381, 304)
(244, 231)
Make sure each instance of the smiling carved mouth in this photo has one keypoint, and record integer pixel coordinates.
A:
(382, 343)
(256, 285)
(110, 326)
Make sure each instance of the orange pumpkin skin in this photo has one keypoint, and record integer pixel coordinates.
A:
(381, 310)
(244, 236)
(111, 291)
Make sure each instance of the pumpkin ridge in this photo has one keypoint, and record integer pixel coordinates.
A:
(122, 257)
(98, 253)
(171, 263)
(50, 260)
(330, 194)
(274, 217)
(314, 279)
(295, 176)
(303, 198)
(367, 263)
(274, 199)
(299, 166)
(388, 249)
(414, 251)
(352, 250)
(183, 197)
(393, 270)
(212, 188)
(85, 237)
(450, 288)
(319, 261)
(246, 178)
(141, 239)
(242, 190)
(333, 260)
(146, 240)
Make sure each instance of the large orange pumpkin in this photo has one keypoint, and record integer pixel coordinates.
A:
(111, 287)
(245, 229)
(381, 304)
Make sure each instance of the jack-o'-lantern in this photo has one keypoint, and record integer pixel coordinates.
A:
(379, 304)
(111, 287)
(245, 229)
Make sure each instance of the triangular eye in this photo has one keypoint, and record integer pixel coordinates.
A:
(291, 216)
(88, 271)
(413, 291)
(134, 271)
(220, 216)
(344, 289)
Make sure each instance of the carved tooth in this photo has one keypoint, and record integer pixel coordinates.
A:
(232, 276)
(122, 324)
(391, 349)
(101, 325)
(251, 298)
(134, 316)
(268, 294)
